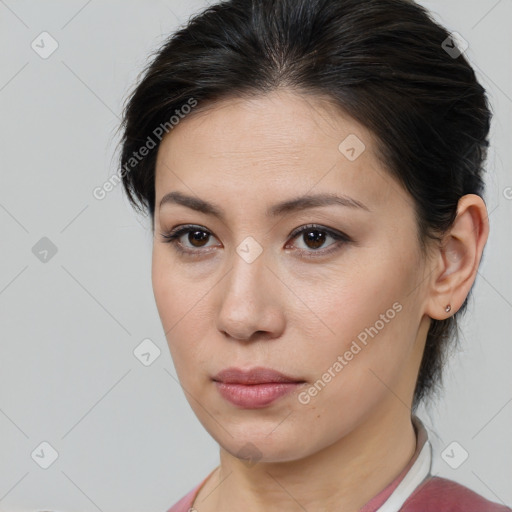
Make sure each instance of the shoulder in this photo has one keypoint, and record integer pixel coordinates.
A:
(185, 504)
(437, 494)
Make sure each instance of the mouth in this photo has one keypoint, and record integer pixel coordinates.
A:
(254, 388)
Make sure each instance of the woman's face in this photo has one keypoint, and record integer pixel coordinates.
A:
(338, 307)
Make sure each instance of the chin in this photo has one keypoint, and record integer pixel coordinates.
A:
(255, 444)
(258, 451)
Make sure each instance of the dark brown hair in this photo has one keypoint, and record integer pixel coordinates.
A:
(386, 63)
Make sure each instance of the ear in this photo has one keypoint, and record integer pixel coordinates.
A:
(456, 262)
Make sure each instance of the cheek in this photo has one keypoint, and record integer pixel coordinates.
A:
(173, 300)
(165, 284)
(175, 288)
(182, 307)
(362, 311)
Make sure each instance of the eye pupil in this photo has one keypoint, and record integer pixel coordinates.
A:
(197, 236)
(316, 237)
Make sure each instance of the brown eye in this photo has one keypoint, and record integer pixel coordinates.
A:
(314, 238)
(190, 240)
(311, 240)
(197, 238)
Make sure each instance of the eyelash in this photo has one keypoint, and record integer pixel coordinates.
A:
(172, 238)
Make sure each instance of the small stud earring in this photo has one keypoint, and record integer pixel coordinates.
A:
(448, 308)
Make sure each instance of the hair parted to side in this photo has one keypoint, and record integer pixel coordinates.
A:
(380, 61)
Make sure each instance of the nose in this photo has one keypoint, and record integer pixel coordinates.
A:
(251, 301)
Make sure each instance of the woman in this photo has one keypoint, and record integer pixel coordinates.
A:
(313, 173)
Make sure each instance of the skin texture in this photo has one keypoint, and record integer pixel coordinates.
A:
(295, 313)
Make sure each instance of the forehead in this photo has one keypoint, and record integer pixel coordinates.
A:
(277, 141)
(281, 121)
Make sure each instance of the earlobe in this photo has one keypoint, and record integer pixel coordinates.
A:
(458, 258)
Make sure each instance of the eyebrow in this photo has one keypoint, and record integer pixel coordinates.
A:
(285, 207)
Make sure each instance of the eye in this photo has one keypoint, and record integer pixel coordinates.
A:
(195, 238)
(314, 237)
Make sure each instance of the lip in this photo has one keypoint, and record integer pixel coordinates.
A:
(256, 375)
(254, 388)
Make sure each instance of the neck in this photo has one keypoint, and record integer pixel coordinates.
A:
(343, 476)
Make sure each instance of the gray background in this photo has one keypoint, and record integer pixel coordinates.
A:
(125, 436)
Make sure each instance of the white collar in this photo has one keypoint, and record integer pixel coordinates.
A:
(414, 477)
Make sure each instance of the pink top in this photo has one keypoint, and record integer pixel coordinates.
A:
(433, 494)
